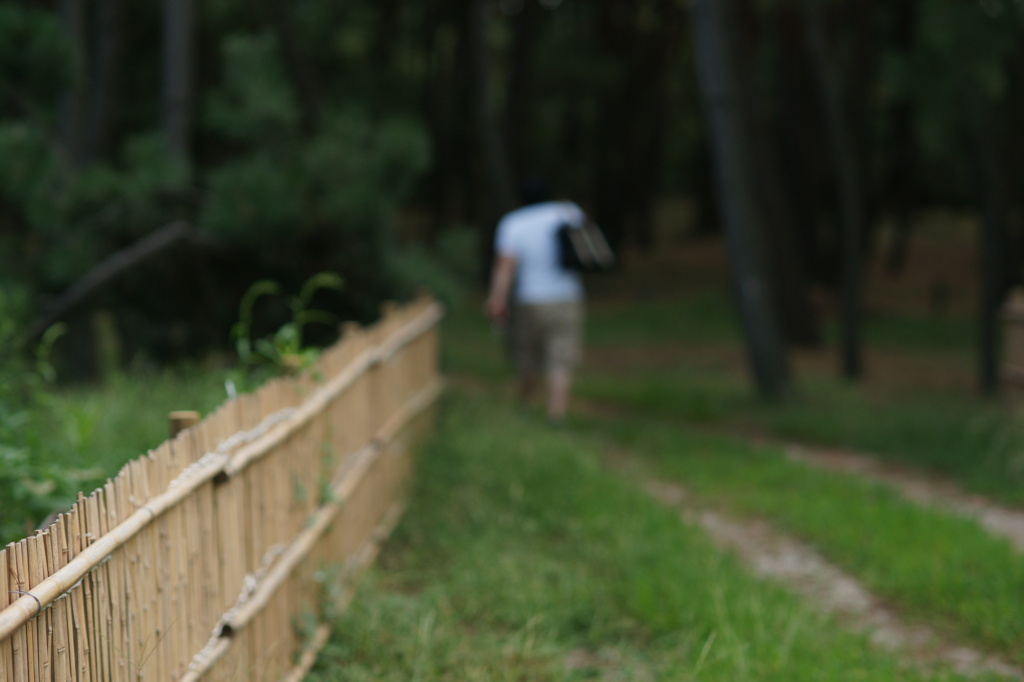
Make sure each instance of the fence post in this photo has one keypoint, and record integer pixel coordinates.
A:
(181, 420)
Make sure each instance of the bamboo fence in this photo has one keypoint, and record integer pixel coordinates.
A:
(216, 555)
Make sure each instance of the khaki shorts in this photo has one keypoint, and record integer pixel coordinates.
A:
(547, 336)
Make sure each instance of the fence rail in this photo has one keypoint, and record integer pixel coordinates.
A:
(211, 557)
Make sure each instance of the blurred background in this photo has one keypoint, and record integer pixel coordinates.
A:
(157, 159)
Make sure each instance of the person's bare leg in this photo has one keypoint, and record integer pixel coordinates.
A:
(559, 385)
(526, 388)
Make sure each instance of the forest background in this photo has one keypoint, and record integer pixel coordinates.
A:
(158, 159)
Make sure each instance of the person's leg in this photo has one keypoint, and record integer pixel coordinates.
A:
(526, 389)
(527, 354)
(563, 351)
(559, 387)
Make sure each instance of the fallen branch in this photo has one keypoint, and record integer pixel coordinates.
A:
(110, 268)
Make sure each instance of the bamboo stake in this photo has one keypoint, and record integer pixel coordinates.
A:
(101, 607)
(132, 572)
(37, 635)
(181, 543)
(177, 617)
(114, 602)
(6, 647)
(17, 582)
(59, 642)
(83, 623)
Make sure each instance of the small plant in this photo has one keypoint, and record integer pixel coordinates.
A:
(284, 351)
(31, 487)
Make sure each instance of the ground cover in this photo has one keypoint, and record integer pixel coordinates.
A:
(72, 438)
(521, 557)
(127, 415)
(939, 567)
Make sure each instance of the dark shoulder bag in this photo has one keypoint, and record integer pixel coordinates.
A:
(584, 248)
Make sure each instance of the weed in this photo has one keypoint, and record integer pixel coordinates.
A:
(284, 351)
(31, 487)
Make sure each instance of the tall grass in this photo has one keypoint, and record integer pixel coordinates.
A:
(72, 438)
(105, 425)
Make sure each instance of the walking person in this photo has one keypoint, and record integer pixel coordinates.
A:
(542, 299)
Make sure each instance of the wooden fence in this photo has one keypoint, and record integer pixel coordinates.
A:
(212, 556)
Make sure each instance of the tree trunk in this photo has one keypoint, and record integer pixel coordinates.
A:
(133, 257)
(903, 168)
(489, 129)
(299, 73)
(73, 102)
(106, 79)
(517, 103)
(851, 195)
(459, 193)
(631, 120)
(790, 281)
(386, 38)
(179, 79)
(725, 93)
(993, 240)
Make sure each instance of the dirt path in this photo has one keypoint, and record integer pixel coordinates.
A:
(802, 570)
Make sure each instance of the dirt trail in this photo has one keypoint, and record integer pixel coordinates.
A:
(803, 571)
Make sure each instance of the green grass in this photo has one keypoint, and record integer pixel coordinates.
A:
(108, 424)
(920, 333)
(975, 442)
(76, 437)
(704, 317)
(522, 558)
(942, 568)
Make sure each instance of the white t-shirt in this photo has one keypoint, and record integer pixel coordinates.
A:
(528, 235)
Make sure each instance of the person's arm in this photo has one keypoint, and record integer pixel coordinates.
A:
(502, 274)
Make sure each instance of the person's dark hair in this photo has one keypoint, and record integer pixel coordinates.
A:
(534, 189)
